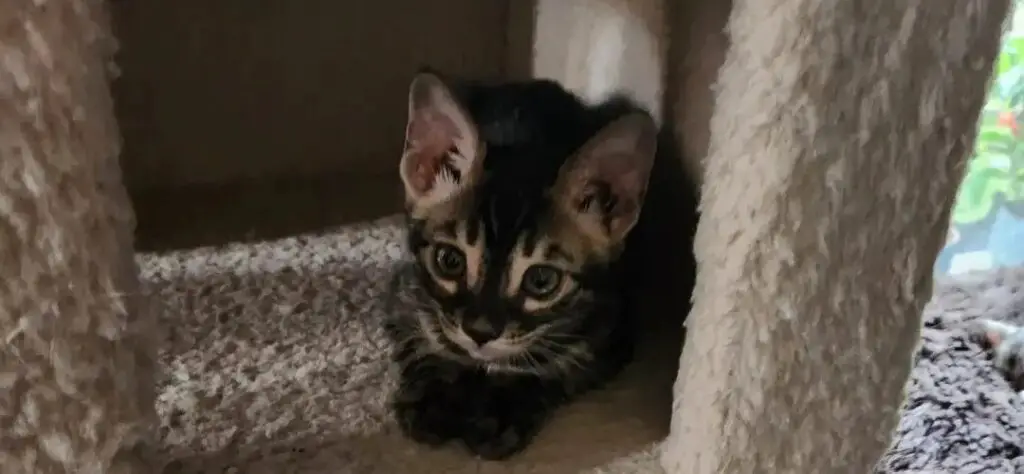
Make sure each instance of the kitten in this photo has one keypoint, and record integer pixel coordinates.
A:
(1006, 341)
(519, 201)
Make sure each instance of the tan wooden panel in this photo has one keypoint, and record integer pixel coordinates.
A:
(238, 89)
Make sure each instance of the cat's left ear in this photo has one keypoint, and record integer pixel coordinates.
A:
(604, 184)
(442, 152)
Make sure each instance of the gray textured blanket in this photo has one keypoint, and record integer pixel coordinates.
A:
(961, 415)
(275, 362)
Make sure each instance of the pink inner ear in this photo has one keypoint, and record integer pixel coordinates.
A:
(422, 169)
(994, 338)
(429, 137)
(429, 131)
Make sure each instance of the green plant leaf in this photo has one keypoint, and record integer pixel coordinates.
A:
(1011, 52)
(977, 193)
(997, 167)
(994, 140)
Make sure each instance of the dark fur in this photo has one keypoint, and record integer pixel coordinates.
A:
(530, 128)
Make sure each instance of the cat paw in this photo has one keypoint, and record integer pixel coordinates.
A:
(499, 434)
(427, 407)
(426, 419)
(493, 440)
(493, 418)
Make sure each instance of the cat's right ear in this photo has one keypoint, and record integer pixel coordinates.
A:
(442, 152)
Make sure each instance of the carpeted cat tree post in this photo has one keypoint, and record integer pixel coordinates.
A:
(839, 135)
(76, 368)
(838, 140)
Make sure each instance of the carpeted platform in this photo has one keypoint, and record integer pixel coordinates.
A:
(275, 362)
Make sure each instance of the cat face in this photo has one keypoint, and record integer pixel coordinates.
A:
(520, 263)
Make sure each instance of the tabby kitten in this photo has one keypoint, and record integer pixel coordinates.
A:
(519, 200)
(1006, 343)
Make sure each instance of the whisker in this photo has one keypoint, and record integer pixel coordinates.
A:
(534, 363)
(563, 357)
(569, 337)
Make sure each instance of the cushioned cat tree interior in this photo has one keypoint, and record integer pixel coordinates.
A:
(838, 138)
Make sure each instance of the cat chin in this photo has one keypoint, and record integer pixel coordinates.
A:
(491, 366)
(470, 353)
(505, 361)
(495, 351)
(509, 365)
(505, 367)
(494, 364)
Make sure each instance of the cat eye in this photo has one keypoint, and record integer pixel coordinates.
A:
(449, 262)
(541, 281)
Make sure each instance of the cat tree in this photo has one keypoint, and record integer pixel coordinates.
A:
(838, 139)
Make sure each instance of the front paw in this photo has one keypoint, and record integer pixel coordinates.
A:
(425, 417)
(501, 431)
(428, 404)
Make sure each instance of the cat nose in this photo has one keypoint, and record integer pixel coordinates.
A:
(481, 331)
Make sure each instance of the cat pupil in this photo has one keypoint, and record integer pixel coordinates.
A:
(541, 281)
(450, 261)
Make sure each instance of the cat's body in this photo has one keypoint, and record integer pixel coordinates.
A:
(520, 200)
